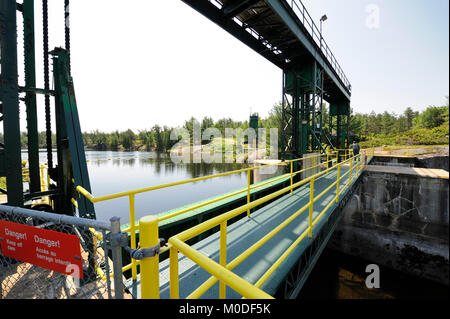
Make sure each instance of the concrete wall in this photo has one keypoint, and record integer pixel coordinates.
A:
(400, 221)
(433, 162)
(438, 162)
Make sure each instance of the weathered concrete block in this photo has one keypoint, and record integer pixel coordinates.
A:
(400, 221)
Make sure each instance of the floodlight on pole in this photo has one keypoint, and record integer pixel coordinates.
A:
(324, 18)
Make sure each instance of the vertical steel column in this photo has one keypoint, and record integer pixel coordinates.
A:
(313, 108)
(338, 133)
(9, 93)
(30, 99)
(283, 117)
(295, 117)
(321, 103)
(289, 117)
(117, 258)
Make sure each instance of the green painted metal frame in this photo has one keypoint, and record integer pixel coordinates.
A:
(9, 95)
(30, 98)
(339, 123)
(302, 107)
(282, 8)
(72, 168)
(69, 137)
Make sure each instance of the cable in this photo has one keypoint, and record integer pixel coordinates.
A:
(48, 125)
(67, 28)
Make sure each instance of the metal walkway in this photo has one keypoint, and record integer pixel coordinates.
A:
(287, 280)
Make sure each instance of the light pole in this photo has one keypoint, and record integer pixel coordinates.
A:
(324, 18)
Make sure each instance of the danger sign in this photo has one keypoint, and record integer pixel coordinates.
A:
(44, 248)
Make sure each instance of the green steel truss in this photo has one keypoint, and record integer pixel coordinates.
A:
(302, 106)
(71, 169)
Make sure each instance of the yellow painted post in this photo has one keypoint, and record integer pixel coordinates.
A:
(338, 180)
(357, 165)
(351, 168)
(42, 179)
(248, 191)
(223, 257)
(149, 237)
(314, 166)
(292, 174)
(174, 280)
(311, 205)
(48, 180)
(133, 235)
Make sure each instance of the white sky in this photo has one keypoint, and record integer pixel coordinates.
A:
(138, 63)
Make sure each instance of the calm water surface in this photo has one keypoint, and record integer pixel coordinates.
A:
(114, 172)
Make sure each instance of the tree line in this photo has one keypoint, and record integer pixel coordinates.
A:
(429, 127)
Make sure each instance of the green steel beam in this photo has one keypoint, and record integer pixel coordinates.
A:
(69, 136)
(36, 90)
(30, 99)
(235, 7)
(214, 14)
(9, 93)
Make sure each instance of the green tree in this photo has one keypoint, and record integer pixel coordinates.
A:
(410, 115)
(207, 122)
(127, 139)
(433, 116)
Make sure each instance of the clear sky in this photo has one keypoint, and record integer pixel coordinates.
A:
(138, 63)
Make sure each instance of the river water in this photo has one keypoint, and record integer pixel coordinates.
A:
(112, 172)
(335, 276)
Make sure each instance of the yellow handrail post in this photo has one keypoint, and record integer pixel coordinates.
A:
(149, 238)
(337, 184)
(311, 205)
(248, 191)
(292, 174)
(42, 179)
(314, 166)
(351, 168)
(174, 279)
(223, 257)
(132, 235)
(357, 165)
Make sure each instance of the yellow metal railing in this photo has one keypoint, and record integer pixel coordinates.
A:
(44, 178)
(133, 228)
(222, 271)
(405, 151)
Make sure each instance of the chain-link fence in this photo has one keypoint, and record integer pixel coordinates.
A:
(99, 256)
